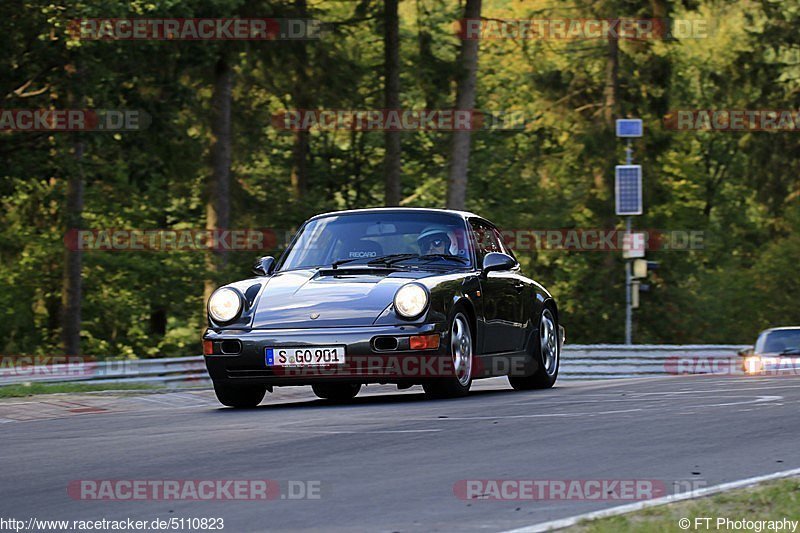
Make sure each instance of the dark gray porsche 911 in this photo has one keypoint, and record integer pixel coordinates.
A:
(404, 296)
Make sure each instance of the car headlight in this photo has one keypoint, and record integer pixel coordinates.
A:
(753, 365)
(411, 300)
(224, 305)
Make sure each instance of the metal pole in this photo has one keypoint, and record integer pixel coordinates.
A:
(628, 153)
(628, 288)
(628, 309)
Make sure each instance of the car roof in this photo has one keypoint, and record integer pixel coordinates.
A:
(462, 214)
(782, 328)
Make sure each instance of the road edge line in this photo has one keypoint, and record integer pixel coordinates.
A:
(664, 500)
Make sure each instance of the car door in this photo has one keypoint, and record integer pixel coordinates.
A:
(521, 298)
(500, 295)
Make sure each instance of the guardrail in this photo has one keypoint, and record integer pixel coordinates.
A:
(578, 361)
(177, 371)
(611, 361)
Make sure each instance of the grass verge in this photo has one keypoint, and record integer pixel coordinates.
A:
(769, 501)
(31, 389)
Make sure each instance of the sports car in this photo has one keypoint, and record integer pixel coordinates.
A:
(777, 351)
(403, 296)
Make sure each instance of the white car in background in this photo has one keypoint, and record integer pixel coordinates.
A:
(777, 351)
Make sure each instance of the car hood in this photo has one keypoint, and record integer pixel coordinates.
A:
(343, 297)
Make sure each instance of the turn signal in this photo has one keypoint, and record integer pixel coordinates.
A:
(208, 348)
(424, 342)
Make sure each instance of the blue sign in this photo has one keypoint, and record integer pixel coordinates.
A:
(628, 188)
(629, 127)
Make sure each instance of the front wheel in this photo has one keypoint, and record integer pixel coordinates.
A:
(461, 353)
(241, 396)
(547, 354)
(336, 392)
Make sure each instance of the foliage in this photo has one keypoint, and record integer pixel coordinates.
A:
(741, 189)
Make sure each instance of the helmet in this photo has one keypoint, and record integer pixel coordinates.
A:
(431, 233)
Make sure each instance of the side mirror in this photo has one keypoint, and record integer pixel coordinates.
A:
(264, 266)
(495, 261)
(746, 352)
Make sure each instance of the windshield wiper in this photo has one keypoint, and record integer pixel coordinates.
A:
(390, 259)
(382, 260)
(338, 262)
(790, 351)
(396, 258)
(461, 260)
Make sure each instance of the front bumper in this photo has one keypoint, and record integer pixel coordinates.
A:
(367, 358)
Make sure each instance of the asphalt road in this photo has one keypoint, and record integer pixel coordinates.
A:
(390, 460)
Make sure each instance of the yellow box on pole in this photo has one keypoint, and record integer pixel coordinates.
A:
(639, 268)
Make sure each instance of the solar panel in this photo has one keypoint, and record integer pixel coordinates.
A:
(628, 187)
(629, 127)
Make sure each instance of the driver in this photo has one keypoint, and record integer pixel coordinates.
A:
(437, 240)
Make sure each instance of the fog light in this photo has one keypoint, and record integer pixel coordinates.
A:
(208, 348)
(424, 342)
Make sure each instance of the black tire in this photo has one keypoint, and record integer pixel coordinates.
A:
(241, 397)
(545, 374)
(336, 392)
(461, 343)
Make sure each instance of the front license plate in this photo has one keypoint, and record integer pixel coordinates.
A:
(305, 356)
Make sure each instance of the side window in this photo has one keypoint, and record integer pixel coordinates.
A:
(504, 247)
(486, 240)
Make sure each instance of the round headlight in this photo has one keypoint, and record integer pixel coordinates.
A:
(224, 305)
(411, 300)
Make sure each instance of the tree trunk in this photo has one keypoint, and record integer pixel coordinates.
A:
(299, 172)
(611, 88)
(610, 114)
(218, 203)
(158, 320)
(465, 100)
(391, 46)
(72, 291)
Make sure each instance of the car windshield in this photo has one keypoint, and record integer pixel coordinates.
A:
(779, 341)
(398, 237)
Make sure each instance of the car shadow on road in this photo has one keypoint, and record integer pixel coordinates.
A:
(400, 397)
